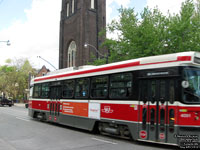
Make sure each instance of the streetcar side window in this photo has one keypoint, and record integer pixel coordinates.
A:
(82, 88)
(45, 90)
(68, 89)
(55, 92)
(120, 86)
(99, 87)
(37, 91)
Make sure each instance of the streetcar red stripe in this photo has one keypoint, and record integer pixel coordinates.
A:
(132, 64)
(123, 112)
(184, 58)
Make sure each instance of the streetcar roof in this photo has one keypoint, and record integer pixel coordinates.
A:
(158, 61)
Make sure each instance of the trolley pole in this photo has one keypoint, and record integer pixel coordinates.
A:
(47, 62)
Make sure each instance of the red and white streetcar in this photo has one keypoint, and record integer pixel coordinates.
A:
(153, 99)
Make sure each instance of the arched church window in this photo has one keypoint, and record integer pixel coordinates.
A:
(72, 54)
(73, 6)
(67, 9)
(93, 4)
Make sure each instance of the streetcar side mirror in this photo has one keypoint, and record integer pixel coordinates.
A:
(185, 84)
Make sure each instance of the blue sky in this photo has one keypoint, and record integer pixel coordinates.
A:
(26, 23)
(12, 10)
(137, 4)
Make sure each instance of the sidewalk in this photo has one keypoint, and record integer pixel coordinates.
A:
(19, 104)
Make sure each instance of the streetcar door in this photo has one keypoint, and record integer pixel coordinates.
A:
(54, 105)
(143, 110)
(153, 110)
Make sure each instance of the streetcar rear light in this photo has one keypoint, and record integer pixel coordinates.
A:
(183, 110)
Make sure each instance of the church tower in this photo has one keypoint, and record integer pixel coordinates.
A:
(81, 22)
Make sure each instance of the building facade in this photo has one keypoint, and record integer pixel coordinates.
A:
(81, 22)
(43, 71)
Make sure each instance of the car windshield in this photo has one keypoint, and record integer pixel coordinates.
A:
(192, 91)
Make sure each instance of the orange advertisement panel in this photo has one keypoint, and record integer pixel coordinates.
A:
(77, 109)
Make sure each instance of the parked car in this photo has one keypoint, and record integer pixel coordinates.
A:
(5, 101)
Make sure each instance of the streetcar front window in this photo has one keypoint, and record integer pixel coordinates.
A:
(192, 88)
(31, 91)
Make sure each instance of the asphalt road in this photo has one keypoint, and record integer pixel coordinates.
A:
(19, 132)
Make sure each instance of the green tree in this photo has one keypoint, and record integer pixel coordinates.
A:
(14, 77)
(184, 29)
(152, 33)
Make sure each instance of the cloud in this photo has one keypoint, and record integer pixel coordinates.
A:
(173, 6)
(110, 8)
(39, 34)
(112, 13)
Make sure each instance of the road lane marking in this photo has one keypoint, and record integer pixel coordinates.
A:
(13, 115)
(18, 117)
(6, 145)
(14, 110)
(22, 119)
(105, 141)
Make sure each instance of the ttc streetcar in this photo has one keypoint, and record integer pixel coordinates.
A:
(153, 99)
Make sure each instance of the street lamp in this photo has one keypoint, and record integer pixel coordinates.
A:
(7, 42)
(47, 62)
(86, 45)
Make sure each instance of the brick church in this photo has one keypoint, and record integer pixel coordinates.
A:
(81, 22)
